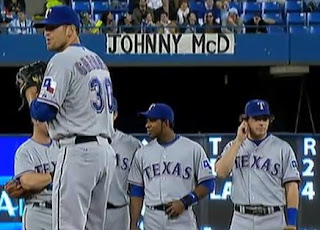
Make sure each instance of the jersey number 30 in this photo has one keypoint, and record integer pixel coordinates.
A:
(100, 101)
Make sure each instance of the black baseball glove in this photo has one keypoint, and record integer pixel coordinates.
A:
(28, 76)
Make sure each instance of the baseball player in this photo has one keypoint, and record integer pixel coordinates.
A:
(35, 161)
(265, 174)
(125, 147)
(170, 173)
(75, 100)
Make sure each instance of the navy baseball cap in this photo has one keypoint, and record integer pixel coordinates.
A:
(256, 108)
(159, 111)
(59, 15)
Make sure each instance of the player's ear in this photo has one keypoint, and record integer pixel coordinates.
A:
(70, 29)
(242, 118)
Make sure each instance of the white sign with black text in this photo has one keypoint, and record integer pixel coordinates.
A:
(170, 43)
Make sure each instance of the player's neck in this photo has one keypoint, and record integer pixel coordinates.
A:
(167, 137)
(256, 137)
(41, 137)
(73, 41)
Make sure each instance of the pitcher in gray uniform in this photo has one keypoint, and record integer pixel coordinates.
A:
(125, 146)
(265, 174)
(76, 100)
(170, 173)
(34, 164)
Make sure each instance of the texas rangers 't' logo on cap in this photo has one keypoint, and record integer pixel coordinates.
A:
(257, 107)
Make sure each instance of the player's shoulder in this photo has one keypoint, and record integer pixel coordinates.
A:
(24, 148)
(186, 141)
(278, 141)
(128, 138)
(150, 146)
(67, 57)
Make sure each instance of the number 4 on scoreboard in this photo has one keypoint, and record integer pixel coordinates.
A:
(308, 191)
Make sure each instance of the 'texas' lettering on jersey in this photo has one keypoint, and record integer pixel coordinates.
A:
(258, 162)
(168, 168)
(122, 162)
(44, 168)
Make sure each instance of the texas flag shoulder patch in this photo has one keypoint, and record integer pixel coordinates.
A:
(49, 85)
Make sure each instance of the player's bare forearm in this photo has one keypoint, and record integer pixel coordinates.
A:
(225, 163)
(35, 181)
(292, 194)
(135, 211)
(31, 94)
(201, 191)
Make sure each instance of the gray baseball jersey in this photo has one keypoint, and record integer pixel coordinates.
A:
(169, 172)
(78, 84)
(260, 171)
(34, 157)
(125, 147)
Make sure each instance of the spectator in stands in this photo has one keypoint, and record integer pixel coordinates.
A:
(14, 6)
(210, 24)
(166, 26)
(87, 23)
(279, 1)
(125, 24)
(157, 7)
(311, 5)
(140, 13)
(21, 25)
(171, 7)
(193, 25)
(224, 11)
(183, 12)
(233, 23)
(3, 23)
(106, 24)
(257, 24)
(147, 25)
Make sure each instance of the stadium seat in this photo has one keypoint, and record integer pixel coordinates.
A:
(277, 17)
(298, 29)
(268, 7)
(251, 7)
(121, 9)
(81, 6)
(293, 6)
(275, 29)
(99, 7)
(198, 8)
(236, 5)
(296, 18)
(246, 17)
(313, 18)
(314, 29)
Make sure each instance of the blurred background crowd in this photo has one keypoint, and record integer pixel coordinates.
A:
(172, 16)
